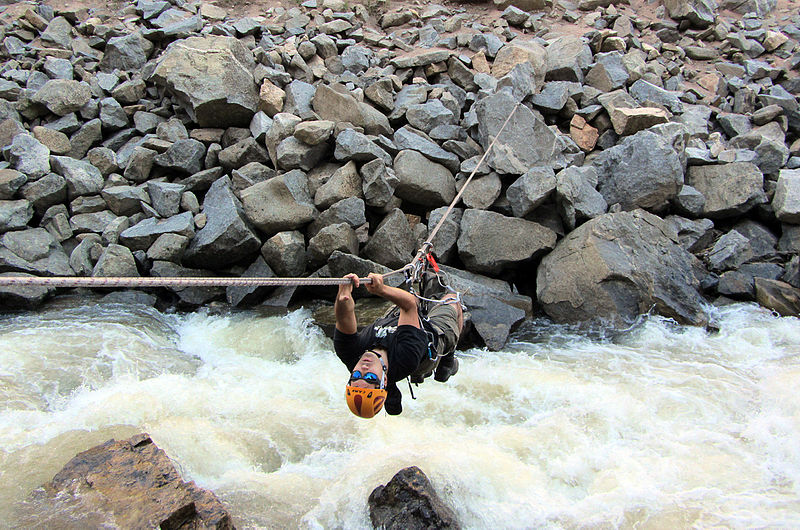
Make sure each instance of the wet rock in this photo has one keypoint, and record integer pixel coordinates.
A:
(27, 297)
(589, 274)
(779, 296)
(409, 501)
(124, 483)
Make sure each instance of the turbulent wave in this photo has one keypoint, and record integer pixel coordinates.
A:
(661, 425)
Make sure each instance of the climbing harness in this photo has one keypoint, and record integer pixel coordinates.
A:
(413, 271)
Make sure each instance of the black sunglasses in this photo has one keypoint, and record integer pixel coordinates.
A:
(368, 377)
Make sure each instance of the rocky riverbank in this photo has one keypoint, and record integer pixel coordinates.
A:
(651, 162)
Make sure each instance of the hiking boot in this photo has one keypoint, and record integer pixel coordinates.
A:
(447, 368)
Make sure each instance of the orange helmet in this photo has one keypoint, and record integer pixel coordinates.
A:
(365, 402)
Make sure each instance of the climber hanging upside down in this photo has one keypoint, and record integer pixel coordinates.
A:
(403, 343)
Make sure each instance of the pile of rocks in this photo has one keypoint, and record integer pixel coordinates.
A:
(648, 163)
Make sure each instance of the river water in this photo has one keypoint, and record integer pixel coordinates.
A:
(661, 426)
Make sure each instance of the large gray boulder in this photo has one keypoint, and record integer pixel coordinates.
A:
(444, 242)
(409, 138)
(729, 189)
(336, 104)
(577, 196)
(422, 181)
(567, 57)
(29, 156)
(279, 204)
(211, 77)
(144, 233)
(378, 183)
(491, 242)
(123, 484)
(241, 295)
(126, 53)
(116, 261)
(344, 182)
(14, 215)
(34, 251)
(125, 200)
(618, 266)
(393, 243)
(526, 141)
(700, 13)
(642, 171)
(227, 238)
(786, 202)
(82, 177)
(285, 253)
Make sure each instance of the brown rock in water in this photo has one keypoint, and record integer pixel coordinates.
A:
(125, 484)
(778, 296)
(409, 502)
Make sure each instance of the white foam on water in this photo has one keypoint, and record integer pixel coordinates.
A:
(664, 426)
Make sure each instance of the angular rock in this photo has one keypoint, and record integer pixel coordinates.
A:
(45, 192)
(14, 215)
(344, 182)
(314, 132)
(126, 53)
(524, 143)
(422, 181)
(143, 234)
(185, 156)
(33, 251)
(62, 96)
(27, 297)
(778, 296)
(378, 183)
(444, 241)
(482, 192)
(530, 190)
(729, 189)
(285, 252)
(518, 52)
(242, 153)
(292, 153)
(245, 295)
(165, 197)
(211, 77)
(642, 171)
(116, 261)
(491, 242)
(591, 273)
(567, 58)
(409, 501)
(10, 182)
(352, 145)
(124, 484)
(577, 196)
(340, 236)
(786, 202)
(82, 177)
(409, 138)
(393, 243)
(29, 156)
(140, 162)
(279, 204)
(331, 104)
